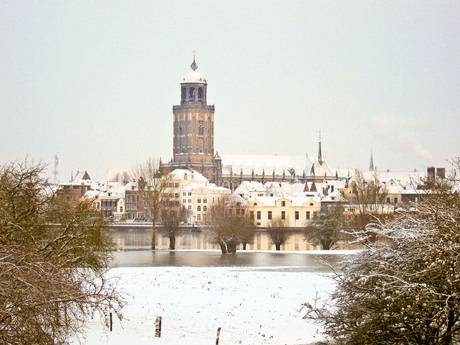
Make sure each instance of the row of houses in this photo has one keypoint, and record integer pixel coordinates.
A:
(296, 203)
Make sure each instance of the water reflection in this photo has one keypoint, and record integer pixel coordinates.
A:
(134, 245)
(298, 262)
(140, 238)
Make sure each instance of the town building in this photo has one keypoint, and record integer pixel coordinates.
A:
(297, 211)
(76, 188)
(198, 198)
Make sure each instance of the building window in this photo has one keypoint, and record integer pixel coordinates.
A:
(189, 207)
(205, 201)
(198, 217)
(308, 215)
(259, 215)
(191, 92)
(200, 92)
(189, 193)
(199, 201)
(283, 215)
(269, 216)
(388, 200)
(396, 200)
(283, 203)
(198, 208)
(205, 208)
(184, 201)
(189, 201)
(296, 215)
(183, 94)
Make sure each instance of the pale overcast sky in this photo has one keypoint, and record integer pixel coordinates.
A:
(95, 81)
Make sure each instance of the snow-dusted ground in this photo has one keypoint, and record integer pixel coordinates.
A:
(251, 305)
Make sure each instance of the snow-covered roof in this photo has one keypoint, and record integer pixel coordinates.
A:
(262, 163)
(194, 77)
(186, 174)
(335, 196)
(209, 186)
(279, 164)
(402, 177)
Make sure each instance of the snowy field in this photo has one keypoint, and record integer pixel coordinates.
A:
(251, 305)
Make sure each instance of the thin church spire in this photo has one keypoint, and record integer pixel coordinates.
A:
(320, 155)
(371, 163)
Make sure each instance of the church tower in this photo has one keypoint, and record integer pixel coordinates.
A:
(193, 143)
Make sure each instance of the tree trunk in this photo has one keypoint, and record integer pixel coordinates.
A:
(244, 246)
(154, 237)
(326, 245)
(223, 247)
(450, 323)
(172, 242)
(278, 246)
(231, 247)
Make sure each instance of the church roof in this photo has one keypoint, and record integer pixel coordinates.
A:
(266, 164)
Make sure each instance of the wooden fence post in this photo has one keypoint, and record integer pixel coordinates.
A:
(158, 327)
(218, 336)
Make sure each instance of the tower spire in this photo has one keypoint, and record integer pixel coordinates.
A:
(371, 163)
(194, 66)
(320, 155)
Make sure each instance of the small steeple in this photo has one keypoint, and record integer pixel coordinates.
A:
(371, 163)
(194, 66)
(320, 155)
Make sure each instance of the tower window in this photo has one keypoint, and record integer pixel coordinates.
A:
(201, 127)
(191, 93)
(200, 92)
(183, 93)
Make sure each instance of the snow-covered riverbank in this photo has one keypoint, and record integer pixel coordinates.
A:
(251, 306)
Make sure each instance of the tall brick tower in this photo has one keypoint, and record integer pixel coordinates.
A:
(194, 129)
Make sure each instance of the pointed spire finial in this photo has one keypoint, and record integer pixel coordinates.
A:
(194, 66)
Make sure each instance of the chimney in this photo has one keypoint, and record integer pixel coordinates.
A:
(441, 172)
(430, 174)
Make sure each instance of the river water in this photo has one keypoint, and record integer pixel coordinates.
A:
(194, 250)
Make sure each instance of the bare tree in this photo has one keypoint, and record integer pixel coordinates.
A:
(406, 288)
(327, 228)
(368, 198)
(155, 187)
(172, 218)
(229, 225)
(278, 232)
(53, 261)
